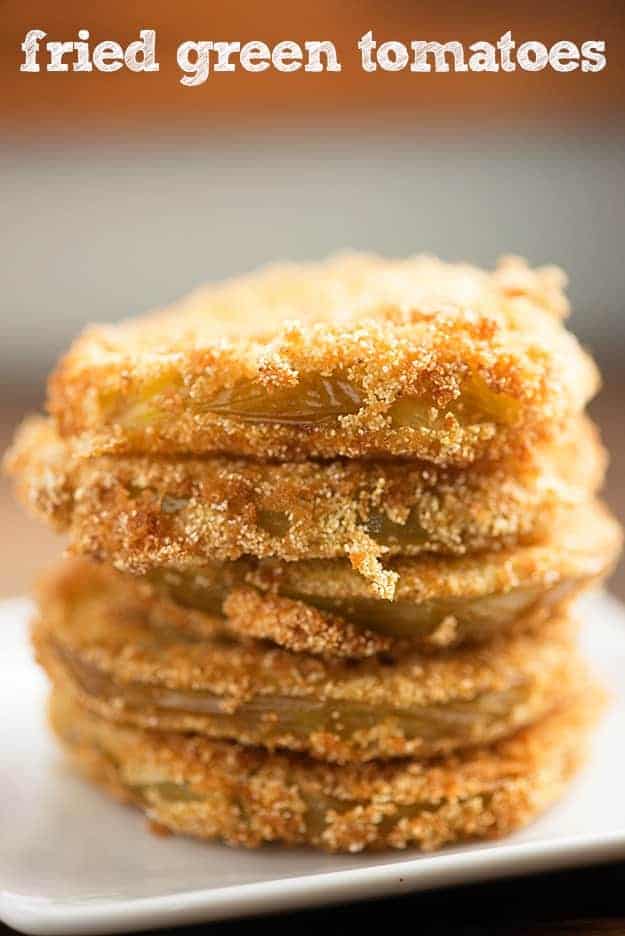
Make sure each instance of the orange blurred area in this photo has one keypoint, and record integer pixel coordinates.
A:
(72, 102)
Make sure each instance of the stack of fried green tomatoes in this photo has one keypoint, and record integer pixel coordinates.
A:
(326, 527)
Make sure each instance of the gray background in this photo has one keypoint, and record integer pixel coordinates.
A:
(101, 232)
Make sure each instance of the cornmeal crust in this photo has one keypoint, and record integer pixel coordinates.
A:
(437, 601)
(127, 666)
(140, 512)
(248, 797)
(357, 356)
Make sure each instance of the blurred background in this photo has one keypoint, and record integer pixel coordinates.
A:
(121, 191)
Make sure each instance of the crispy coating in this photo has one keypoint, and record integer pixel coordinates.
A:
(98, 643)
(141, 512)
(438, 601)
(248, 797)
(357, 356)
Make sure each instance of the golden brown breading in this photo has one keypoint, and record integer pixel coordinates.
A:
(99, 644)
(140, 512)
(353, 357)
(247, 797)
(438, 601)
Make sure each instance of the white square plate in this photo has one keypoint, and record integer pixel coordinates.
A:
(71, 861)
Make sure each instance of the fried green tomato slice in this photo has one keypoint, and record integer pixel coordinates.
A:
(121, 665)
(143, 512)
(248, 797)
(437, 602)
(357, 356)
